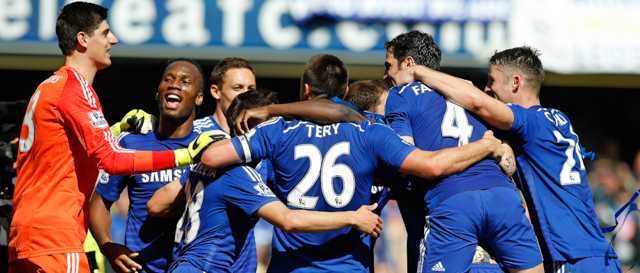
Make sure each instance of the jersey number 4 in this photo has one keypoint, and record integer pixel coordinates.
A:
(461, 129)
(326, 169)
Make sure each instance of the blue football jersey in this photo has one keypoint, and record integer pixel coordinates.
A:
(322, 168)
(215, 233)
(152, 237)
(553, 176)
(434, 123)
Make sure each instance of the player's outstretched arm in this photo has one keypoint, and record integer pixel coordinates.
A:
(305, 221)
(321, 111)
(167, 201)
(431, 165)
(220, 154)
(100, 224)
(461, 93)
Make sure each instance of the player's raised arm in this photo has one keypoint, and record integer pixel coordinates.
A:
(461, 93)
(430, 165)
(319, 111)
(304, 221)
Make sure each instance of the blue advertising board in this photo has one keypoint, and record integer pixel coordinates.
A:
(265, 30)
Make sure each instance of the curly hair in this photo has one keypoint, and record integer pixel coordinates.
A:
(417, 44)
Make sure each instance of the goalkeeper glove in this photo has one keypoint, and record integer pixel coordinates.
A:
(136, 121)
(193, 153)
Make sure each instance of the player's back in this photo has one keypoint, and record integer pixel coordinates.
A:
(552, 172)
(322, 168)
(434, 123)
(216, 230)
(55, 174)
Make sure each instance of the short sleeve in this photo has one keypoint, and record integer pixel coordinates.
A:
(525, 124)
(388, 146)
(247, 191)
(260, 142)
(113, 187)
(397, 112)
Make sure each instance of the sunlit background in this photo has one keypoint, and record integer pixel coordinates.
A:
(590, 50)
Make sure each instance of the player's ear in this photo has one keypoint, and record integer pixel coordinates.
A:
(156, 96)
(81, 37)
(215, 92)
(307, 92)
(199, 98)
(346, 92)
(410, 61)
(516, 82)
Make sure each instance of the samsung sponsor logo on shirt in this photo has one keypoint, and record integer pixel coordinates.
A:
(97, 119)
(163, 176)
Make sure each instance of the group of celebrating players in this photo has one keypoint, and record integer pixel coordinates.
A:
(197, 187)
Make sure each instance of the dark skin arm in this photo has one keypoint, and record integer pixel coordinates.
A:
(320, 111)
(100, 224)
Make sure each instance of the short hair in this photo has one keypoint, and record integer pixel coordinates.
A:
(203, 83)
(217, 75)
(523, 61)
(365, 95)
(418, 45)
(74, 18)
(253, 98)
(326, 75)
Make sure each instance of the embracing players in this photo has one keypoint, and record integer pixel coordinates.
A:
(339, 160)
(550, 171)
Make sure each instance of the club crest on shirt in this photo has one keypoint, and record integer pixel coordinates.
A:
(263, 190)
(97, 119)
(104, 178)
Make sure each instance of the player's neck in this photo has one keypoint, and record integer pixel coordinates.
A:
(220, 118)
(527, 101)
(171, 130)
(83, 65)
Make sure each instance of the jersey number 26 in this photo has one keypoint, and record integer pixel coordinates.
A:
(326, 169)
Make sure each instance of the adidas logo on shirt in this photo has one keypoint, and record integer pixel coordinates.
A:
(438, 267)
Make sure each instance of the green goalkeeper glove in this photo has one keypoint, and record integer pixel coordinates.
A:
(136, 121)
(193, 153)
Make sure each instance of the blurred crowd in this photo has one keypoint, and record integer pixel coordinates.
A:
(613, 182)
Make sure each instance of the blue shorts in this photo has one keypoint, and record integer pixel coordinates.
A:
(590, 264)
(184, 267)
(495, 215)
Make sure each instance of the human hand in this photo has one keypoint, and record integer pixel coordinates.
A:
(407, 75)
(136, 121)
(259, 114)
(368, 222)
(196, 148)
(119, 256)
(495, 145)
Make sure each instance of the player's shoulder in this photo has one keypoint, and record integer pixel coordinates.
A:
(549, 116)
(205, 124)
(414, 88)
(136, 141)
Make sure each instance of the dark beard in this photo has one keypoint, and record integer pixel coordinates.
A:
(178, 120)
